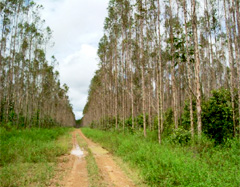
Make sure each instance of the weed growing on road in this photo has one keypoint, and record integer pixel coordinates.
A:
(94, 176)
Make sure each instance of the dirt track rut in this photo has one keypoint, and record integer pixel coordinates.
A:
(73, 169)
(111, 172)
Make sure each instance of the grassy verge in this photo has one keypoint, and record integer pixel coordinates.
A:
(174, 165)
(130, 172)
(28, 157)
(95, 179)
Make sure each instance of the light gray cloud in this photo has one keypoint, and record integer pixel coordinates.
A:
(77, 28)
(77, 70)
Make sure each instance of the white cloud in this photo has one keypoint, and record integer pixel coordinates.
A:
(77, 70)
(77, 28)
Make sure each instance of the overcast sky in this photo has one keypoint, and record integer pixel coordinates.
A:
(77, 28)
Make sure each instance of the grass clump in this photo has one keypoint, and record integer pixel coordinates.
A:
(28, 157)
(169, 164)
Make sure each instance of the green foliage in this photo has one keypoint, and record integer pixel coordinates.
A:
(139, 121)
(181, 136)
(168, 122)
(217, 116)
(186, 122)
(79, 121)
(28, 156)
(198, 164)
(93, 124)
(128, 122)
(8, 126)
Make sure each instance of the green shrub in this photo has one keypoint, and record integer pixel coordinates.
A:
(181, 136)
(128, 123)
(186, 123)
(168, 122)
(217, 116)
(139, 121)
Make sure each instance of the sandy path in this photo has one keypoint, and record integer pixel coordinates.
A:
(72, 170)
(111, 172)
(79, 175)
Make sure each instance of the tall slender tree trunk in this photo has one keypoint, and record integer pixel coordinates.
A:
(237, 55)
(238, 23)
(230, 56)
(116, 86)
(173, 78)
(131, 77)
(197, 69)
(188, 69)
(160, 80)
(142, 68)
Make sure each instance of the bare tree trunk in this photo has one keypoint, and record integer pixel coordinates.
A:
(237, 57)
(142, 69)
(173, 78)
(188, 69)
(132, 95)
(159, 82)
(231, 67)
(116, 87)
(238, 23)
(197, 69)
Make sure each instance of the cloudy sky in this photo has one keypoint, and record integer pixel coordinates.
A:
(77, 28)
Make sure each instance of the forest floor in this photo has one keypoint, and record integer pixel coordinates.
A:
(95, 167)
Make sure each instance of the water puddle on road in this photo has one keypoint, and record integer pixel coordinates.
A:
(77, 151)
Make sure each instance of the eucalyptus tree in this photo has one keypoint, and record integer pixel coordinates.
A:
(114, 31)
(197, 67)
(141, 15)
(235, 20)
(188, 65)
(231, 64)
(152, 51)
(28, 82)
(160, 78)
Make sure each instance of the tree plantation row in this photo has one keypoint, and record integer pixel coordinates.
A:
(30, 91)
(169, 66)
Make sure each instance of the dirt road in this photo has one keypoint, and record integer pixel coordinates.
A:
(76, 173)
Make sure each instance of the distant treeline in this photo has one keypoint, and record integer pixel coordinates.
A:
(30, 90)
(160, 61)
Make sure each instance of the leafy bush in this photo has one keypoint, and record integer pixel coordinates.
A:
(168, 122)
(217, 116)
(139, 121)
(181, 136)
(128, 122)
(186, 115)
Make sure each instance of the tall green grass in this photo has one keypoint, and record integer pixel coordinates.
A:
(197, 164)
(28, 157)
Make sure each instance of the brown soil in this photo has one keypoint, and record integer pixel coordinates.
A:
(72, 170)
(111, 172)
